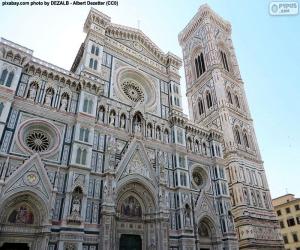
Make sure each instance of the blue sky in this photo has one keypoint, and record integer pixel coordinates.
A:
(267, 49)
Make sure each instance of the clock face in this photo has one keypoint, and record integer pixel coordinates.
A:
(31, 178)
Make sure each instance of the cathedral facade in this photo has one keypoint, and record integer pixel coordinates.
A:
(102, 157)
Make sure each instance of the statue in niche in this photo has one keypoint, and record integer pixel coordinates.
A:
(75, 211)
(151, 156)
(137, 127)
(32, 92)
(101, 114)
(187, 215)
(123, 122)
(64, 104)
(112, 118)
(149, 131)
(48, 97)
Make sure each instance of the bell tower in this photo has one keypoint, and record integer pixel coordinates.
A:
(217, 99)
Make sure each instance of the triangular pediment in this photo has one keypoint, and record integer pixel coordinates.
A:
(136, 163)
(136, 40)
(30, 176)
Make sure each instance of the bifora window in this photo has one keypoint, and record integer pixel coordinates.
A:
(199, 65)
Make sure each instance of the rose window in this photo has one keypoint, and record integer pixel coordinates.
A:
(37, 141)
(38, 135)
(197, 177)
(133, 91)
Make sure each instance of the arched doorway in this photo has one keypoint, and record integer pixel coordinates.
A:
(130, 242)
(135, 220)
(22, 219)
(207, 234)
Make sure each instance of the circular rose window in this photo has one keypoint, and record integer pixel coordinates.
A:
(38, 140)
(37, 135)
(199, 177)
(133, 91)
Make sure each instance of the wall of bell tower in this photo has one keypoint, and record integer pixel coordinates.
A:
(217, 99)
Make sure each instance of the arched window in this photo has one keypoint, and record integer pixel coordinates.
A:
(90, 106)
(83, 158)
(95, 64)
(85, 105)
(229, 97)
(10, 79)
(237, 102)
(93, 49)
(237, 136)
(208, 99)
(189, 142)
(1, 108)
(199, 65)
(91, 63)
(3, 77)
(81, 134)
(97, 51)
(245, 139)
(78, 155)
(224, 60)
(86, 136)
(200, 106)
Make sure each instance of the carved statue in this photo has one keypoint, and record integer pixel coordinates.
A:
(123, 122)
(137, 127)
(149, 131)
(101, 115)
(48, 98)
(75, 211)
(32, 92)
(112, 119)
(187, 215)
(64, 104)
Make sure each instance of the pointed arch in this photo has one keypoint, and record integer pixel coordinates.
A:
(101, 113)
(237, 136)
(237, 101)
(3, 76)
(10, 79)
(246, 139)
(200, 106)
(208, 99)
(229, 96)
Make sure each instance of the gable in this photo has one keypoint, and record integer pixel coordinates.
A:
(31, 176)
(136, 163)
(135, 39)
(138, 47)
